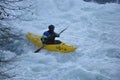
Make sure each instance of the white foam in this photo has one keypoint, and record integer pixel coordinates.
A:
(91, 28)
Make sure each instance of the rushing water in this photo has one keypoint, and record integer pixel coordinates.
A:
(103, 1)
(93, 28)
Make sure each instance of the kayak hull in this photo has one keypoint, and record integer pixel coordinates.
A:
(62, 47)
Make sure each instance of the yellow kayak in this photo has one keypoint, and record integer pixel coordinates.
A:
(62, 47)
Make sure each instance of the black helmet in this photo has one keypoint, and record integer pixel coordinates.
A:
(51, 26)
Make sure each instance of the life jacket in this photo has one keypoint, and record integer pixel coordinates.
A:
(49, 37)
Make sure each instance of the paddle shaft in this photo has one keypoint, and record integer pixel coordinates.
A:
(39, 49)
(44, 44)
(63, 30)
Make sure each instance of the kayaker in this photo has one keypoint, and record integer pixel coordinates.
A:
(49, 36)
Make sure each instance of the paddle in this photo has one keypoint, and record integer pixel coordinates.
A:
(44, 44)
(63, 30)
(39, 49)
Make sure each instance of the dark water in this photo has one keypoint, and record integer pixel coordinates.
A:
(104, 1)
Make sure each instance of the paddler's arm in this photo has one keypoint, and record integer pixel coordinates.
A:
(44, 40)
(56, 35)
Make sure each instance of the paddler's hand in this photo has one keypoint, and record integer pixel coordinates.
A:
(58, 35)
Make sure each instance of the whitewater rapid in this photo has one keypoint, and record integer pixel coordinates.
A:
(93, 28)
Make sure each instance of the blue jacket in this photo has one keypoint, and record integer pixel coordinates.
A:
(49, 37)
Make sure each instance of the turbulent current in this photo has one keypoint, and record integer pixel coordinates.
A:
(93, 28)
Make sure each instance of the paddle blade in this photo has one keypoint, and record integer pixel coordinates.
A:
(37, 50)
